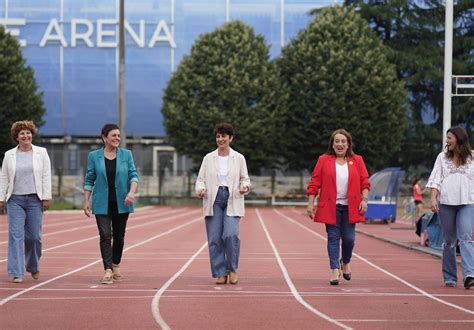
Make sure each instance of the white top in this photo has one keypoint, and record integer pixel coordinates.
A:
(238, 178)
(24, 182)
(223, 170)
(342, 180)
(455, 184)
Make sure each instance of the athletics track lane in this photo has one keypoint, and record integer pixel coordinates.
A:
(261, 299)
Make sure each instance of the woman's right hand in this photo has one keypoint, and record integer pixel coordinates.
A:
(201, 193)
(310, 210)
(434, 206)
(87, 208)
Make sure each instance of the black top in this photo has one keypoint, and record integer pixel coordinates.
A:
(110, 166)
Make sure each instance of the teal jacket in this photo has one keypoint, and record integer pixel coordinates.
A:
(96, 180)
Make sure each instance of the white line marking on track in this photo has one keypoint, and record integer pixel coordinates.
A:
(13, 296)
(424, 293)
(94, 225)
(290, 283)
(155, 303)
(404, 321)
(128, 228)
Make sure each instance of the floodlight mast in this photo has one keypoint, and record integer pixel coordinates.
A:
(448, 67)
(121, 75)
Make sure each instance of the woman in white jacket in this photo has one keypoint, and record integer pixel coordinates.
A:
(222, 183)
(25, 187)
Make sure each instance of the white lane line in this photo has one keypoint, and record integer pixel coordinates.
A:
(411, 321)
(47, 223)
(128, 228)
(94, 225)
(13, 296)
(235, 292)
(290, 283)
(423, 292)
(155, 303)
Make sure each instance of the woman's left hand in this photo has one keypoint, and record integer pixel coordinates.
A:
(45, 205)
(129, 199)
(363, 206)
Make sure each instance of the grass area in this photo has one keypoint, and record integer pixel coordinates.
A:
(60, 206)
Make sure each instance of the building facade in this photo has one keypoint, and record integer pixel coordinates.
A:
(72, 47)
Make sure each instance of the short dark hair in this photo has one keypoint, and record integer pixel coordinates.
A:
(348, 136)
(462, 144)
(107, 128)
(224, 128)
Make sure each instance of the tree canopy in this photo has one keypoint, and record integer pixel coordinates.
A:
(19, 98)
(413, 31)
(227, 78)
(338, 76)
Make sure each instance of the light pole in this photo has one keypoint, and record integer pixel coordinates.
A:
(448, 67)
(121, 75)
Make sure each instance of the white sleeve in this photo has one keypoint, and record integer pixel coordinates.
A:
(46, 175)
(436, 176)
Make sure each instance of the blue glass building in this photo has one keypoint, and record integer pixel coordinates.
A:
(72, 46)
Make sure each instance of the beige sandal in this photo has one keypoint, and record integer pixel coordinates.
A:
(108, 277)
(116, 270)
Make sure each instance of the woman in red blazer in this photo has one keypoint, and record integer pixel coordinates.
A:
(341, 180)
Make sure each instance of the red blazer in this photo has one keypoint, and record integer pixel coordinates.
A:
(323, 183)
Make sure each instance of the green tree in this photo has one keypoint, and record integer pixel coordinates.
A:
(338, 76)
(413, 30)
(19, 98)
(227, 78)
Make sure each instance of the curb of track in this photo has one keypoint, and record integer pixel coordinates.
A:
(429, 251)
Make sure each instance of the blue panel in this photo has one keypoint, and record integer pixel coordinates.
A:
(264, 16)
(195, 17)
(2, 8)
(33, 10)
(147, 71)
(90, 9)
(297, 15)
(45, 63)
(149, 10)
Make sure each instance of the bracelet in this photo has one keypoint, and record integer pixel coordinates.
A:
(365, 199)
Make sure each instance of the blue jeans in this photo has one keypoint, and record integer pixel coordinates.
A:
(342, 230)
(223, 237)
(25, 218)
(457, 223)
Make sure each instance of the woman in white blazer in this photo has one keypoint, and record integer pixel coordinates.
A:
(222, 182)
(25, 188)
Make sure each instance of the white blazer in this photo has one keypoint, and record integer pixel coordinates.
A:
(41, 171)
(208, 179)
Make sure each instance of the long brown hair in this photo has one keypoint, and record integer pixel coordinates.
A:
(348, 136)
(462, 147)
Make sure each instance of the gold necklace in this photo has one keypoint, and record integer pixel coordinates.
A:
(341, 161)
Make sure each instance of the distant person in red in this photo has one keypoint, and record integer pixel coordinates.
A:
(418, 197)
(341, 181)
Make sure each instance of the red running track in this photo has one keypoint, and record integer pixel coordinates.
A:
(283, 283)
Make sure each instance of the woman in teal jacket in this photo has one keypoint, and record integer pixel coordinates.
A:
(112, 180)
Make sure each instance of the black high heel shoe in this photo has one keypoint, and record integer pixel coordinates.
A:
(347, 275)
(335, 275)
(468, 282)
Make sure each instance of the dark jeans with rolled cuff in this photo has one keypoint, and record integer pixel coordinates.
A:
(112, 235)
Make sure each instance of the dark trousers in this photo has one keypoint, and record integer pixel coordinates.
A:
(112, 235)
